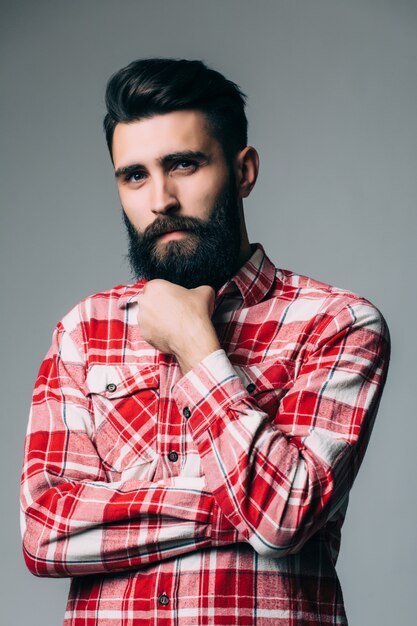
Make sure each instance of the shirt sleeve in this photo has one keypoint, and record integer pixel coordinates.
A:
(279, 478)
(74, 522)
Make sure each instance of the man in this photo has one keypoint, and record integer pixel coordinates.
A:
(194, 436)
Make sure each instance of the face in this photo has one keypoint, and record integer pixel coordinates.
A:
(179, 199)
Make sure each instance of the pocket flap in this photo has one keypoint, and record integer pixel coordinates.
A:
(116, 381)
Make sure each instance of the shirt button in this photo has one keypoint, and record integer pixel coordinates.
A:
(173, 456)
(186, 412)
(251, 387)
(163, 599)
(111, 387)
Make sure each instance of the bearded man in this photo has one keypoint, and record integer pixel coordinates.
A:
(194, 436)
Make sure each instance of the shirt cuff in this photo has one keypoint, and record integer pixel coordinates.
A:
(210, 388)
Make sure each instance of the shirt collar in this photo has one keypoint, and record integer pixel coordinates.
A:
(253, 281)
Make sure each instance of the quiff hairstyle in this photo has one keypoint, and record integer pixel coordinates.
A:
(149, 87)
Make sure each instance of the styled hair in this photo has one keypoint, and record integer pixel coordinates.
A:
(155, 86)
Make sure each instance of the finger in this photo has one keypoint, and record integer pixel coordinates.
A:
(208, 295)
(205, 291)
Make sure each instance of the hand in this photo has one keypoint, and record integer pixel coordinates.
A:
(177, 321)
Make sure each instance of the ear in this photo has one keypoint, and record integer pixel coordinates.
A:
(247, 167)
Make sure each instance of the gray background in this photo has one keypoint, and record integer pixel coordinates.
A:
(332, 108)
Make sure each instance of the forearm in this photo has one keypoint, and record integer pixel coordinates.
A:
(75, 521)
(252, 467)
(94, 527)
(279, 474)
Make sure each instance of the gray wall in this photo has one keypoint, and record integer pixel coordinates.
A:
(332, 106)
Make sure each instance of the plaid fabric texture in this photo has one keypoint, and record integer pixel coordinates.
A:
(214, 498)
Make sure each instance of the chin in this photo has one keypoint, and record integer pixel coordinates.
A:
(176, 248)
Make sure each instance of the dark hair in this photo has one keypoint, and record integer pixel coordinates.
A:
(149, 87)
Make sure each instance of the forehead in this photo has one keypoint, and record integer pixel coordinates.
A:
(151, 138)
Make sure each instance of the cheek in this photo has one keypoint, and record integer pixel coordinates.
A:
(134, 209)
(201, 195)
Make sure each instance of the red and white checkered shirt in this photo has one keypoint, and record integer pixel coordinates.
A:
(214, 498)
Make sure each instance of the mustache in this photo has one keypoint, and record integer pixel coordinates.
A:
(166, 224)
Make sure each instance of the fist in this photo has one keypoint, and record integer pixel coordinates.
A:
(177, 321)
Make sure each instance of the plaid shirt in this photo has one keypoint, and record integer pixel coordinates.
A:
(214, 498)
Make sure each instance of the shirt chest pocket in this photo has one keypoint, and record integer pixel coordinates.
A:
(125, 401)
(268, 382)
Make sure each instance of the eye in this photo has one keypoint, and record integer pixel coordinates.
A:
(135, 177)
(185, 165)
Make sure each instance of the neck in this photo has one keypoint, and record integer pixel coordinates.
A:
(245, 248)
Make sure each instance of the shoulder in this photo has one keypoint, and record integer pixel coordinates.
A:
(97, 313)
(320, 304)
(100, 304)
(304, 286)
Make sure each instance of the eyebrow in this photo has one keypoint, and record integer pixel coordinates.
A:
(167, 159)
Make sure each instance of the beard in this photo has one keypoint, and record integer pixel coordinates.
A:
(207, 255)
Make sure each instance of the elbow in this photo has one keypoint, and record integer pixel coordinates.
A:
(35, 564)
(283, 532)
(29, 544)
(36, 552)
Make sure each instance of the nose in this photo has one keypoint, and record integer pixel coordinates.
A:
(164, 198)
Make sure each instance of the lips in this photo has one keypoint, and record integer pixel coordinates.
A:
(171, 235)
(164, 226)
(171, 230)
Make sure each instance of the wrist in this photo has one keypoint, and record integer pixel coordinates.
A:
(197, 347)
